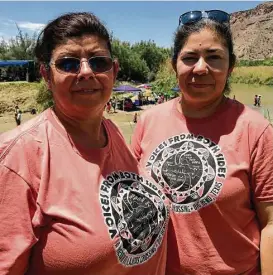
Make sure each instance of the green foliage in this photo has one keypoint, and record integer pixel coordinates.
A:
(151, 53)
(21, 47)
(253, 63)
(259, 75)
(44, 97)
(165, 78)
(139, 62)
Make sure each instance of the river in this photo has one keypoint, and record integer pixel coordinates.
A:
(245, 93)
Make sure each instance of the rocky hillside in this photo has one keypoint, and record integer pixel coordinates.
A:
(253, 32)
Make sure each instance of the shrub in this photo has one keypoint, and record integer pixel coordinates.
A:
(44, 97)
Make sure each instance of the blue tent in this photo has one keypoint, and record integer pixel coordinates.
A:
(176, 89)
(9, 63)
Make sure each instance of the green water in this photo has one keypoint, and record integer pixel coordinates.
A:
(245, 93)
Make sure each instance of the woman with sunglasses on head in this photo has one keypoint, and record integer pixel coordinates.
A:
(72, 199)
(213, 157)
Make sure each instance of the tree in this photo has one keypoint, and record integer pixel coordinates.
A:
(165, 78)
(132, 66)
(152, 54)
(21, 47)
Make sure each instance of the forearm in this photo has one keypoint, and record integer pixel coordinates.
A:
(266, 250)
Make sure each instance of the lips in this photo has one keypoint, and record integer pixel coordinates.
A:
(200, 85)
(87, 91)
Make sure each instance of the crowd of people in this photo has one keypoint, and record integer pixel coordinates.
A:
(111, 104)
(193, 194)
(13, 74)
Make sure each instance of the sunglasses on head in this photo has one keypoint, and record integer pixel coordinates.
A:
(194, 16)
(72, 65)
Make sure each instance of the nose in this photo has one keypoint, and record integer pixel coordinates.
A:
(201, 67)
(85, 70)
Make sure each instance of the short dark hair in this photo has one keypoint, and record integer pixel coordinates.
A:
(222, 30)
(69, 25)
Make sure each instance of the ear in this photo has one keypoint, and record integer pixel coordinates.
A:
(115, 69)
(46, 75)
(230, 70)
(174, 68)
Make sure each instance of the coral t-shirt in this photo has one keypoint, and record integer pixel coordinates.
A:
(67, 210)
(211, 169)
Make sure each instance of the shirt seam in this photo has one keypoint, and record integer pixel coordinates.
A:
(15, 140)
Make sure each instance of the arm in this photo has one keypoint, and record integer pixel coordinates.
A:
(262, 185)
(265, 215)
(17, 208)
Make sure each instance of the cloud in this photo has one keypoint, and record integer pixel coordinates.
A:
(30, 26)
(8, 28)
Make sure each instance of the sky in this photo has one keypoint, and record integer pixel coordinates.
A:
(130, 21)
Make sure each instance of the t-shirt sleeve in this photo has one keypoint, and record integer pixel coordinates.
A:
(262, 167)
(136, 140)
(17, 208)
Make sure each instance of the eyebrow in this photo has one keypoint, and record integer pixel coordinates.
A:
(214, 50)
(208, 51)
(75, 52)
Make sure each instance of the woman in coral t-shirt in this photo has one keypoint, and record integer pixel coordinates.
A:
(73, 200)
(213, 157)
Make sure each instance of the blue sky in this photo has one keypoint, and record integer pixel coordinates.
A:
(128, 20)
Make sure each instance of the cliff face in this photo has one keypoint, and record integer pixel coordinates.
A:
(253, 32)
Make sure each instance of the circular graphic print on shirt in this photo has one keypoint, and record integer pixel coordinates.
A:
(191, 171)
(135, 214)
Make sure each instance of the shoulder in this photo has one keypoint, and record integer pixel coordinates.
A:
(110, 125)
(16, 143)
(248, 118)
(159, 111)
(254, 118)
(112, 129)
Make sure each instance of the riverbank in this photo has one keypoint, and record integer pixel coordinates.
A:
(258, 75)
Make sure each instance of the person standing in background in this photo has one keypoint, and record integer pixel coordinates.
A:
(19, 118)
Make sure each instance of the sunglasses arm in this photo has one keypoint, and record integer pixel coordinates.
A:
(180, 20)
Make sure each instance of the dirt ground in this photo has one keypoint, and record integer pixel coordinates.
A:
(124, 120)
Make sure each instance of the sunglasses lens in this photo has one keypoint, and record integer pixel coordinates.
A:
(191, 17)
(218, 16)
(68, 65)
(100, 64)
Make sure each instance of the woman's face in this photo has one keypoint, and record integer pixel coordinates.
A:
(202, 67)
(76, 95)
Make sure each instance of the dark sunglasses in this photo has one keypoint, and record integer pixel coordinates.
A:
(194, 16)
(72, 65)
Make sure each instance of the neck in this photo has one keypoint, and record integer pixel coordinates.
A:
(89, 132)
(197, 109)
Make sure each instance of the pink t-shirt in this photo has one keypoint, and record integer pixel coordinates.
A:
(65, 210)
(211, 169)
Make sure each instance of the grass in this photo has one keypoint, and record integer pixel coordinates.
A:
(262, 75)
(17, 93)
(124, 120)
